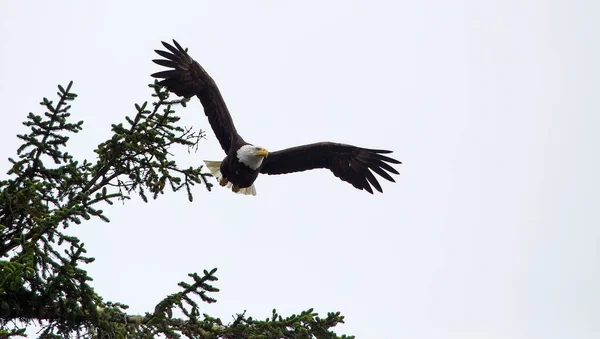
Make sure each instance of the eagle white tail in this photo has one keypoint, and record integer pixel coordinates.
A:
(215, 169)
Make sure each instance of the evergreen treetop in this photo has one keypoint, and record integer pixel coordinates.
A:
(42, 269)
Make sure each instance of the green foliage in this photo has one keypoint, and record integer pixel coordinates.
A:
(42, 279)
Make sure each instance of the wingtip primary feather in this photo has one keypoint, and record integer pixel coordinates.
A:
(381, 151)
(167, 55)
(181, 49)
(388, 159)
(166, 44)
(165, 63)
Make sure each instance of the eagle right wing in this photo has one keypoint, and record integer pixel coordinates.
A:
(187, 78)
(352, 164)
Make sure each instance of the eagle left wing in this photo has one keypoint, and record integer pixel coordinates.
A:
(352, 164)
(185, 77)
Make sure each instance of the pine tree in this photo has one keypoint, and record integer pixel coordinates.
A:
(43, 279)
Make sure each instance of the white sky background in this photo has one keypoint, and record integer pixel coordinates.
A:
(491, 231)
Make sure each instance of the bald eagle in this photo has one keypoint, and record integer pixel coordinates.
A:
(244, 161)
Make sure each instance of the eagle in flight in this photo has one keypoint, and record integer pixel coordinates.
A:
(244, 161)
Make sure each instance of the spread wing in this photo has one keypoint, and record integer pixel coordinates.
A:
(352, 164)
(187, 78)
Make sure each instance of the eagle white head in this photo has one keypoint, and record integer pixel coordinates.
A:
(252, 156)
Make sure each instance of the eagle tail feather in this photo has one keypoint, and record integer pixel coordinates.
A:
(215, 169)
(245, 191)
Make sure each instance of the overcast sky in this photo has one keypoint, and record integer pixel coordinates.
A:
(491, 230)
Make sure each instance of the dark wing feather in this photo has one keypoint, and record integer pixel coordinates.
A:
(352, 164)
(187, 78)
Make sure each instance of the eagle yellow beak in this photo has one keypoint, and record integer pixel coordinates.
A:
(262, 152)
